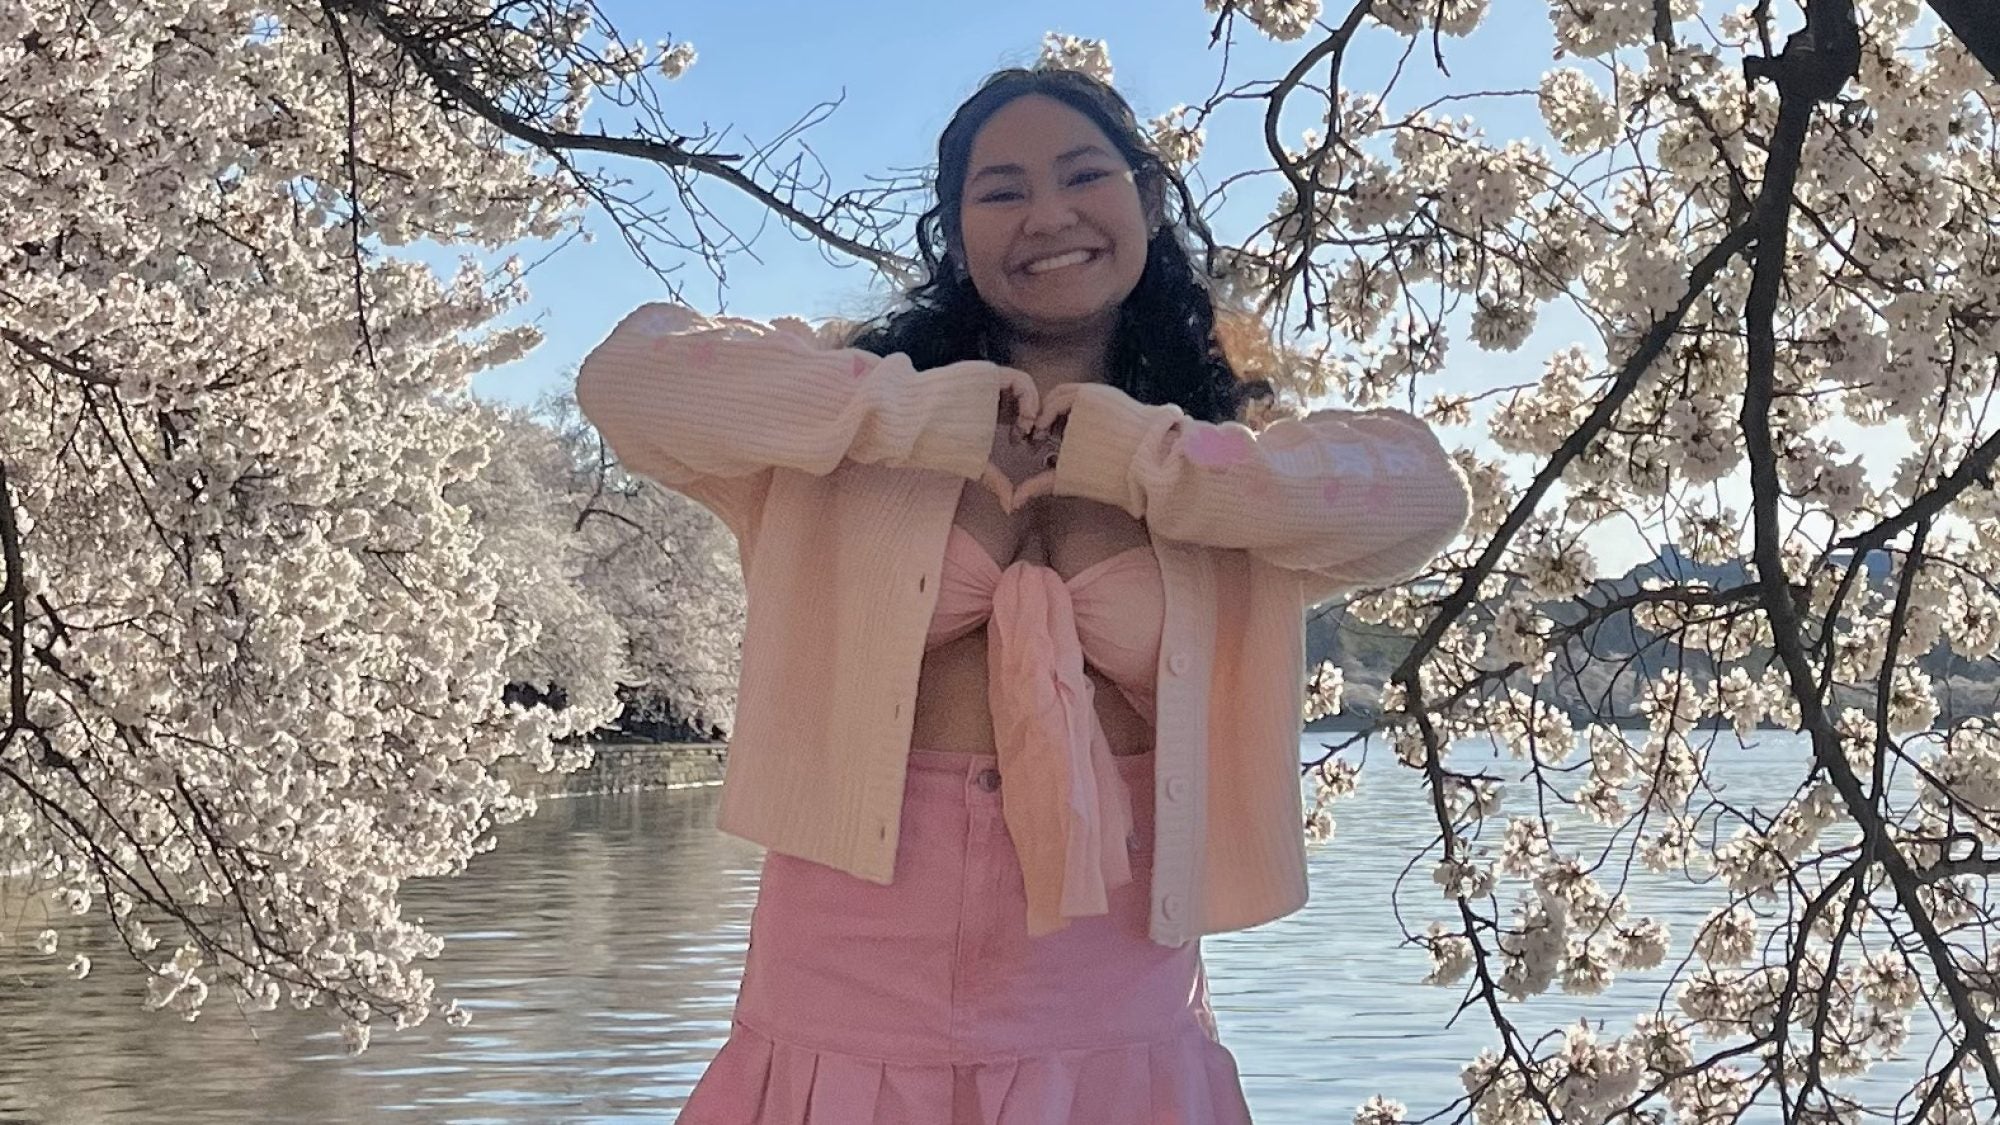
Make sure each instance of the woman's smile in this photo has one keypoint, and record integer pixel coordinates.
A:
(1060, 263)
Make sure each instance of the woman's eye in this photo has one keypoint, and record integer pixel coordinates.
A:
(1008, 195)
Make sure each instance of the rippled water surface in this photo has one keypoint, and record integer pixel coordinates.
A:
(599, 947)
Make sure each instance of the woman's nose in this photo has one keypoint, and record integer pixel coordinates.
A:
(1048, 212)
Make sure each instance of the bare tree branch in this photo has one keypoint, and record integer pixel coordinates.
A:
(423, 51)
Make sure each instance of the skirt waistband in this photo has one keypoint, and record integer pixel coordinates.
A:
(970, 766)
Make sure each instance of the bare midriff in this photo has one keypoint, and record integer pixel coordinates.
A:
(1067, 534)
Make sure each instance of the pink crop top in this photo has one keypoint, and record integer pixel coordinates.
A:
(1065, 808)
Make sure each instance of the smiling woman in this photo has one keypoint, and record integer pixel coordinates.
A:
(973, 728)
(1036, 165)
(1053, 224)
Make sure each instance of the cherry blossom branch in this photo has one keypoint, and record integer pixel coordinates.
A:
(48, 358)
(423, 51)
(1814, 65)
(15, 594)
(1975, 470)
(1305, 186)
(355, 208)
(1630, 372)
(1563, 634)
(1488, 993)
(1870, 845)
(1433, 737)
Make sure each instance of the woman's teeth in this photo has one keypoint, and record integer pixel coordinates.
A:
(1061, 261)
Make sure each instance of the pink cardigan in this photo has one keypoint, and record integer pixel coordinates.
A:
(840, 472)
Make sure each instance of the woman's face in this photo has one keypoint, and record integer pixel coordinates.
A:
(1054, 230)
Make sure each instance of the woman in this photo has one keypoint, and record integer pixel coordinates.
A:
(1013, 749)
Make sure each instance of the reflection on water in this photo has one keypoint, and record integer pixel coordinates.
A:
(599, 945)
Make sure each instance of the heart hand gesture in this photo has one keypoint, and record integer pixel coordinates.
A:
(1046, 427)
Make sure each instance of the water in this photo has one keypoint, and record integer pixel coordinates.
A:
(599, 946)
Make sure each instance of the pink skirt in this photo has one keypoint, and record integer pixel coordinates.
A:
(925, 1002)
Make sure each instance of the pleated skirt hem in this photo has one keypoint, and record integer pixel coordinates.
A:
(759, 1079)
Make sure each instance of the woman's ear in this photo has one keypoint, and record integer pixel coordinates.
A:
(1153, 200)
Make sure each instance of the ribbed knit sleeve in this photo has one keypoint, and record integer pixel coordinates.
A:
(681, 397)
(1358, 498)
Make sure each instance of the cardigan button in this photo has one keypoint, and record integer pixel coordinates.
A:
(988, 779)
(1170, 908)
(1178, 664)
(1177, 788)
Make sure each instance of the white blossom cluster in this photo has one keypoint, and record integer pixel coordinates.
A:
(1071, 52)
(1333, 780)
(1452, 17)
(1283, 20)
(1177, 136)
(265, 646)
(1583, 1078)
(1323, 692)
(675, 60)
(1579, 116)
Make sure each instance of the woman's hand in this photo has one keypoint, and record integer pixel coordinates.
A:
(1017, 390)
(1039, 422)
(1048, 427)
(1054, 414)
(1020, 406)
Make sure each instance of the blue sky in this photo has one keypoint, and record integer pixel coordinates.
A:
(902, 67)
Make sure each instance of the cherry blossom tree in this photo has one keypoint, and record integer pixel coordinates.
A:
(1776, 232)
(634, 592)
(573, 648)
(255, 644)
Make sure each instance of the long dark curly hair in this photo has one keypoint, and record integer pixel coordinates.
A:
(1165, 349)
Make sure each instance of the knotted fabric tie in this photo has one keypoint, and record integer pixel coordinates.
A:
(1065, 808)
